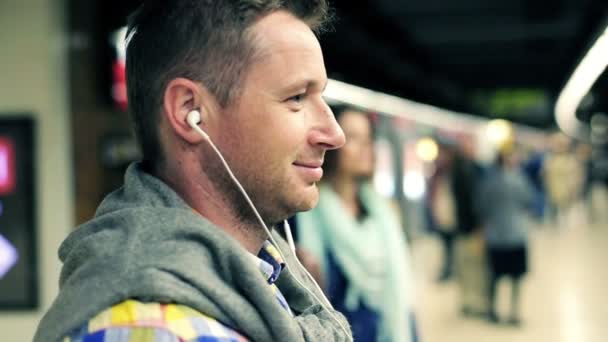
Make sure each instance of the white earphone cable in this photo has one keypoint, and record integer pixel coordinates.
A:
(324, 302)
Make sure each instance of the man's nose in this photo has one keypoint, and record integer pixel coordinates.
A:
(329, 134)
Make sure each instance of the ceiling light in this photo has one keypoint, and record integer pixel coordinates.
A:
(584, 76)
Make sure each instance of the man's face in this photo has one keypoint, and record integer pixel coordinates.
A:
(276, 134)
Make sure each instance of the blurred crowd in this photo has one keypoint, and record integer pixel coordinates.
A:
(482, 213)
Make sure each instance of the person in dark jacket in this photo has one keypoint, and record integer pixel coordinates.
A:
(470, 261)
(441, 206)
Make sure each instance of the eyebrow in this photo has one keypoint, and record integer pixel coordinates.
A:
(305, 84)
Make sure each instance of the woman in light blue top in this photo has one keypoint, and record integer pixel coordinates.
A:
(357, 237)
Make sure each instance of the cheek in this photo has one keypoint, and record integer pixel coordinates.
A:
(290, 137)
(270, 154)
(271, 138)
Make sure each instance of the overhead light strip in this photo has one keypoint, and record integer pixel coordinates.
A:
(413, 111)
(584, 76)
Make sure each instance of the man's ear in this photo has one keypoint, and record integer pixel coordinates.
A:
(180, 98)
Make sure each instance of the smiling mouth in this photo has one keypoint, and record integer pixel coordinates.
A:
(310, 165)
(311, 171)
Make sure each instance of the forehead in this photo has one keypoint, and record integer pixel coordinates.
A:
(286, 49)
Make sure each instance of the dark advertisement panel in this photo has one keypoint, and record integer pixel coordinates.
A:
(18, 266)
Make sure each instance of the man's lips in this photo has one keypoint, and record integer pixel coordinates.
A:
(311, 170)
(310, 164)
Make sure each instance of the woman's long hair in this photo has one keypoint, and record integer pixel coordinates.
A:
(330, 165)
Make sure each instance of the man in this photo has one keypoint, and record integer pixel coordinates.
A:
(171, 256)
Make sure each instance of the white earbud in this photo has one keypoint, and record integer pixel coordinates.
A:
(193, 119)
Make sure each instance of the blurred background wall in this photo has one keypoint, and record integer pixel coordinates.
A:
(33, 81)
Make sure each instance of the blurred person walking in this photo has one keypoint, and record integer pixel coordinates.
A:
(563, 174)
(504, 197)
(533, 169)
(441, 206)
(357, 237)
(598, 197)
(470, 260)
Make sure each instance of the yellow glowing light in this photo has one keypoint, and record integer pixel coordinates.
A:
(499, 132)
(427, 149)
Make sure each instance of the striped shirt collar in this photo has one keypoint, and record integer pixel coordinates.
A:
(269, 262)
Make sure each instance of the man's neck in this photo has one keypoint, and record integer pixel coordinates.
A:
(200, 194)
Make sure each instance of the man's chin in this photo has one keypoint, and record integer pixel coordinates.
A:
(302, 206)
(309, 199)
(301, 199)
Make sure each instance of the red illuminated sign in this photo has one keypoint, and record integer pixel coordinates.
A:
(7, 166)
(119, 88)
(119, 74)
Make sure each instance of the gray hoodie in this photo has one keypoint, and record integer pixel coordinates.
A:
(146, 243)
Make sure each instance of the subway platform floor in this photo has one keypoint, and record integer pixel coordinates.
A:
(564, 296)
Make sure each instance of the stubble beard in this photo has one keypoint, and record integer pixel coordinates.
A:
(260, 193)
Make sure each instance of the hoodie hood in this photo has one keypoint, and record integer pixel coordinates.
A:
(146, 243)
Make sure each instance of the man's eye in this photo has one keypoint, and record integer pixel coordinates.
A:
(297, 98)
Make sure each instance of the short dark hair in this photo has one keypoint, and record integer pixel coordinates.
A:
(202, 40)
